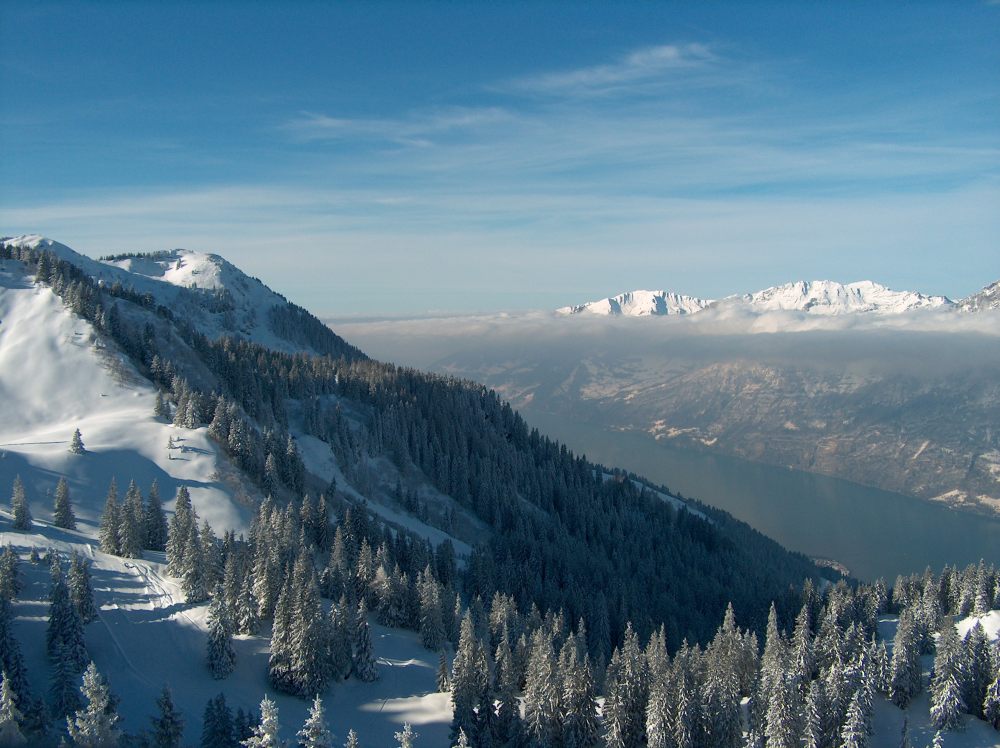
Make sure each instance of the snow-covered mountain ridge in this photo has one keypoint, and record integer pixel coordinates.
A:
(819, 297)
(211, 294)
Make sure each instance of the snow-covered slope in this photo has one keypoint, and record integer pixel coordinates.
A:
(988, 298)
(57, 375)
(207, 291)
(813, 297)
(146, 637)
(640, 304)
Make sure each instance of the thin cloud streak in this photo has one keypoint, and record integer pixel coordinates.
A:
(637, 66)
(414, 130)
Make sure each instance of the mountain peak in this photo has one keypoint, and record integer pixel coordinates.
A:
(988, 298)
(823, 297)
(640, 304)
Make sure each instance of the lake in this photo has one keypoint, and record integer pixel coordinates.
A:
(872, 532)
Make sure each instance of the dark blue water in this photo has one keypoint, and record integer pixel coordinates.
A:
(872, 532)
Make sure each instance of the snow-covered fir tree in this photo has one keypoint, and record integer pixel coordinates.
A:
(109, 533)
(62, 510)
(407, 737)
(854, 734)
(95, 724)
(179, 532)
(991, 702)
(76, 443)
(10, 576)
(167, 726)
(81, 590)
(220, 654)
(217, 725)
(10, 716)
(265, 735)
(441, 677)
(131, 532)
(193, 581)
(314, 733)
(947, 698)
(154, 521)
(627, 694)
(468, 680)
(64, 635)
(363, 659)
(352, 740)
(542, 710)
(21, 514)
(64, 688)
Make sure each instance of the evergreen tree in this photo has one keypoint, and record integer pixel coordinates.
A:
(947, 700)
(579, 703)
(991, 703)
(217, 729)
(160, 407)
(109, 532)
(431, 621)
(854, 733)
(62, 511)
(442, 674)
(314, 733)
(76, 443)
(81, 590)
(407, 737)
(352, 740)
(364, 667)
(979, 668)
(781, 718)
(130, 528)
(64, 692)
(265, 735)
(154, 521)
(309, 666)
(814, 734)
(247, 621)
(10, 716)
(64, 636)
(168, 725)
(10, 578)
(462, 741)
(947, 704)
(542, 712)
(179, 532)
(904, 670)
(221, 656)
(627, 694)
(341, 635)
(94, 726)
(193, 570)
(468, 680)
(11, 661)
(20, 512)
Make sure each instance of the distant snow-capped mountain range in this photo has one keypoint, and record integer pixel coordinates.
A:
(814, 297)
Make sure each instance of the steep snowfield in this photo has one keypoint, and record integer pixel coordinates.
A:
(147, 637)
(640, 304)
(813, 297)
(56, 376)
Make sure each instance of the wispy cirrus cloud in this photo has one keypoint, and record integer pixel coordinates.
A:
(417, 128)
(644, 65)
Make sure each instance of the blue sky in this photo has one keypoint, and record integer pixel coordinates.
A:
(386, 158)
